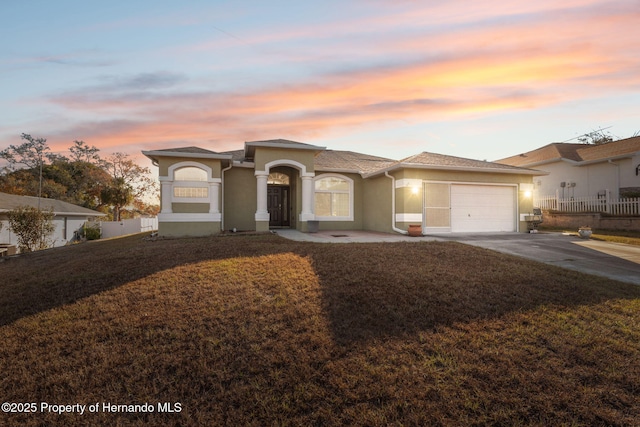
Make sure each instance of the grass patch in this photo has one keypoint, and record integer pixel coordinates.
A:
(629, 237)
(258, 330)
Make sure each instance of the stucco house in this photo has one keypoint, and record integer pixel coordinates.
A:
(282, 183)
(583, 170)
(68, 218)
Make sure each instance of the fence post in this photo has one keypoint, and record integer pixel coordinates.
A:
(608, 203)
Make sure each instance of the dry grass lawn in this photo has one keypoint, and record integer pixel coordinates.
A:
(258, 330)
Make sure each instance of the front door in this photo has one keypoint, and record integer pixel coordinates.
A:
(278, 205)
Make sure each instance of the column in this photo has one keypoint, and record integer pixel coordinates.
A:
(214, 196)
(262, 214)
(166, 197)
(307, 198)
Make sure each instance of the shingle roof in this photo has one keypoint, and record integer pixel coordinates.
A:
(350, 161)
(444, 161)
(610, 149)
(235, 154)
(192, 150)
(12, 201)
(575, 152)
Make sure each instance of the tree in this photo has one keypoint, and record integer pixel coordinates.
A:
(81, 152)
(30, 153)
(128, 179)
(596, 137)
(118, 194)
(32, 226)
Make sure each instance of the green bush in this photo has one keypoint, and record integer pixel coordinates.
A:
(91, 232)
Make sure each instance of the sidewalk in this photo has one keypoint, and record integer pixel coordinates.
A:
(619, 250)
(349, 236)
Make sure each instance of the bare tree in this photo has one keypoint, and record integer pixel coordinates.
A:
(31, 153)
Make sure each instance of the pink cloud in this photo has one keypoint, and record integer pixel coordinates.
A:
(481, 66)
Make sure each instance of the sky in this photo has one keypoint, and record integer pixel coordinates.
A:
(484, 79)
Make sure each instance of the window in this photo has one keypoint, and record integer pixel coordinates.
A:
(333, 197)
(190, 173)
(278, 178)
(191, 192)
(190, 184)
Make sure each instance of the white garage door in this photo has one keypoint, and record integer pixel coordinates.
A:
(482, 208)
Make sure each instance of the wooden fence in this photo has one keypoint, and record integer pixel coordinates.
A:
(621, 207)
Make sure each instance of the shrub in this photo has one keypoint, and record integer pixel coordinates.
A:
(32, 226)
(91, 232)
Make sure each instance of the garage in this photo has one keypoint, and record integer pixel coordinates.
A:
(483, 208)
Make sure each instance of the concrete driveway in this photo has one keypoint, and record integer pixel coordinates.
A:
(612, 260)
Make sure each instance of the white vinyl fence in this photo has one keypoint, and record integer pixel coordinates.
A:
(128, 226)
(623, 207)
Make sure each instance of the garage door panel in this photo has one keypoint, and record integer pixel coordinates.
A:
(476, 208)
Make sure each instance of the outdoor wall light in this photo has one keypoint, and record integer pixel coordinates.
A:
(414, 190)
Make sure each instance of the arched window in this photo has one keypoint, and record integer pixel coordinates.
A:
(278, 178)
(333, 198)
(190, 184)
(190, 173)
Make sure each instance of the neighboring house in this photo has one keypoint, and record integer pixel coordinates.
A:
(68, 218)
(281, 183)
(583, 170)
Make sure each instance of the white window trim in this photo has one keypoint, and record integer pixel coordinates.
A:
(351, 196)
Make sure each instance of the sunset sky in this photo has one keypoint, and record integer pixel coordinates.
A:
(483, 79)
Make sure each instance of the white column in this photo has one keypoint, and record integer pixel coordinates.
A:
(262, 214)
(214, 195)
(166, 197)
(307, 198)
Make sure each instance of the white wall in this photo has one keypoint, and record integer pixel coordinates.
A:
(589, 179)
(128, 226)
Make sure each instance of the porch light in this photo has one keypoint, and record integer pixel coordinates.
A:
(526, 189)
(414, 190)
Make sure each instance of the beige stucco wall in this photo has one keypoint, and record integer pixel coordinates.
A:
(240, 199)
(165, 162)
(376, 204)
(264, 155)
(182, 229)
(190, 207)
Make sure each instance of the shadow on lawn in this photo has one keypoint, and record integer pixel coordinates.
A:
(374, 292)
(368, 290)
(39, 281)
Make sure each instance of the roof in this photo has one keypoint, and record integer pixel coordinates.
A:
(190, 152)
(12, 201)
(249, 147)
(426, 160)
(349, 161)
(579, 153)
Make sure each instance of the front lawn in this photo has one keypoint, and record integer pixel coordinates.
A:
(259, 330)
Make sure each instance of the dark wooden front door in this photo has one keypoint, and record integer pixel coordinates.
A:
(278, 205)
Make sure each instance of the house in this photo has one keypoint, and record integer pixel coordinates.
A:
(68, 218)
(281, 183)
(583, 170)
